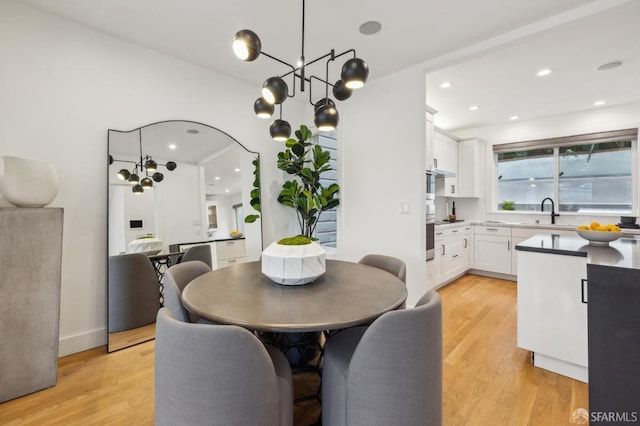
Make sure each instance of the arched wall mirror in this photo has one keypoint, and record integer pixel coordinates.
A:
(201, 201)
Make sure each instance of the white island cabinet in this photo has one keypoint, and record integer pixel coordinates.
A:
(552, 318)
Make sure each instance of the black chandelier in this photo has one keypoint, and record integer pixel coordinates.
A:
(146, 166)
(247, 46)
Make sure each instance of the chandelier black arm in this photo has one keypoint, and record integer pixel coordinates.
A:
(293, 70)
(344, 53)
(136, 164)
(332, 57)
(126, 161)
(306, 65)
(326, 83)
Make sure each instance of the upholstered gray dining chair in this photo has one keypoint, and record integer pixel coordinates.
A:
(218, 375)
(389, 373)
(176, 279)
(202, 253)
(393, 265)
(134, 292)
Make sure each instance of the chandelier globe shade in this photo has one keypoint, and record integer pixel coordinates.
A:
(247, 45)
(151, 165)
(262, 108)
(275, 90)
(326, 118)
(146, 183)
(280, 130)
(341, 92)
(123, 174)
(354, 73)
(322, 102)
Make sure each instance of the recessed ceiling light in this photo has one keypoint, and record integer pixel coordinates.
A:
(193, 131)
(598, 103)
(513, 117)
(543, 72)
(226, 190)
(172, 146)
(446, 85)
(370, 28)
(217, 178)
(236, 170)
(473, 108)
(609, 66)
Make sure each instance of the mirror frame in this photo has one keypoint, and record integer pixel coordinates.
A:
(144, 335)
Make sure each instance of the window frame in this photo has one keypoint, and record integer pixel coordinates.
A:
(556, 144)
(315, 139)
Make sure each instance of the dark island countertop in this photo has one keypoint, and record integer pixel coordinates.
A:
(622, 253)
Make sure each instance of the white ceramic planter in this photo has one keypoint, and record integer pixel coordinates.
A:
(148, 246)
(293, 265)
(28, 183)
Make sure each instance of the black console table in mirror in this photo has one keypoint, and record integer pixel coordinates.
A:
(165, 180)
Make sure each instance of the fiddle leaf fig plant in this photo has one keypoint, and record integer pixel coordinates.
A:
(255, 192)
(304, 193)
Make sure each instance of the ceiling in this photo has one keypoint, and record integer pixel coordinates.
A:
(503, 82)
(414, 32)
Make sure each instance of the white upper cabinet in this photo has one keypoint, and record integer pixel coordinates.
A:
(445, 157)
(445, 152)
(470, 168)
(429, 138)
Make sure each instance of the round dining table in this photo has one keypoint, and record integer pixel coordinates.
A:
(346, 295)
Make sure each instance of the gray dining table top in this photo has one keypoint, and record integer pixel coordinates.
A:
(348, 294)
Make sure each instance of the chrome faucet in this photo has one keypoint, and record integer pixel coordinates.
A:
(553, 212)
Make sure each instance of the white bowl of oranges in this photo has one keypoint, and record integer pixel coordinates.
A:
(599, 235)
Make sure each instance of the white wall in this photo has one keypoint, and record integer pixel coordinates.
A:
(590, 121)
(382, 147)
(63, 85)
(179, 205)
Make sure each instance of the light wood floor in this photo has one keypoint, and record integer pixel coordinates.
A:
(487, 379)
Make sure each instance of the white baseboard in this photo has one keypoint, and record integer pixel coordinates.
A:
(507, 277)
(81, 342)
(555, 365)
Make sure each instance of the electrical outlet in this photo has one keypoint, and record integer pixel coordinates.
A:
(405, 208)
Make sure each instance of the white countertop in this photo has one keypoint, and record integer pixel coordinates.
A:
(543, 227)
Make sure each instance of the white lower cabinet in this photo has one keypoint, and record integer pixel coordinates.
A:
(230, 252)
(455, 261)
(437, 264)
(552, 315)
(453, 253)
(492, 249)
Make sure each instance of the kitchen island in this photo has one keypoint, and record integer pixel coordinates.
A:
(553, 296)
(578, 312)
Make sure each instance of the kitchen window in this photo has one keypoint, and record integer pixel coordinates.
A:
(585, 174)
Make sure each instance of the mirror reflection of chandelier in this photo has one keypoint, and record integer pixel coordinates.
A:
(146, 167)
(247, 46)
